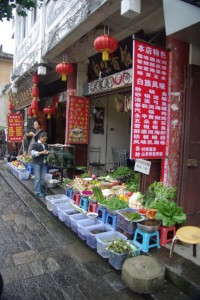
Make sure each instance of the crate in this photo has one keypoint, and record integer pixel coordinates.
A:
(23, 175)
(124, 223)
(84, 224)
(51, 199)
(104, 239)
(75, 219)
(117, 260)
(91, 237)
(68, 214)
(62, 209)
(56, 204)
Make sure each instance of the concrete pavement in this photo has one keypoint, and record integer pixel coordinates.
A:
(43, 259)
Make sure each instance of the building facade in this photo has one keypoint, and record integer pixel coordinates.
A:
(6, 64)
(66, 30)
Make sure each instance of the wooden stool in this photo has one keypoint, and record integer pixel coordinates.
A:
(188, 235)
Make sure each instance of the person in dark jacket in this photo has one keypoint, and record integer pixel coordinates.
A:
(39, 154)
(34, 135)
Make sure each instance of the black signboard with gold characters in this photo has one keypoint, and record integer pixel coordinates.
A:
(120, 60)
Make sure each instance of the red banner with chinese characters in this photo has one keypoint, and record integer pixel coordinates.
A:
(78, 114)
(149, 101)
(15, 128)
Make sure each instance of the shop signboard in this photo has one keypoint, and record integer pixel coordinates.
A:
(15, 128)
(149, 101)
(78, 113)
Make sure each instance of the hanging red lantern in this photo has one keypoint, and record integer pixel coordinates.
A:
(34, 107)
(35, 79)
(30, 112)
(10, 106)
(105, 44)
(64, 69)
(35, 91)
(48, 111)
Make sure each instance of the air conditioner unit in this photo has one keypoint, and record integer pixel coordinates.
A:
(130, 8)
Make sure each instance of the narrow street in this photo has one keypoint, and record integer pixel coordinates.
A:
(42, 259)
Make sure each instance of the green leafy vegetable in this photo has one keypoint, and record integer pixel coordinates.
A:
(115, 203)
(169, 213)
(132, 216)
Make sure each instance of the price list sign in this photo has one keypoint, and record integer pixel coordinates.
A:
(78, 113)
(149, 101)
(15, 128)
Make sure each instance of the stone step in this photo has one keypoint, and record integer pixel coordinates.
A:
(171, 292)
(181, 272)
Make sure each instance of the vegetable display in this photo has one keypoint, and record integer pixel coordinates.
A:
(169, 213)
(115, 203)
(120, 246)
(133, 217)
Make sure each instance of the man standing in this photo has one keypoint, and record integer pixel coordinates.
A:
(39, 154)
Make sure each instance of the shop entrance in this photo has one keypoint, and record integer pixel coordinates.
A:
(189, 187)
(110, 126)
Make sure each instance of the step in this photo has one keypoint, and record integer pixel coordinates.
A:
(171, 292)
(181, 272)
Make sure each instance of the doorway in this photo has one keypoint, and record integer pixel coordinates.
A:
(189, 186)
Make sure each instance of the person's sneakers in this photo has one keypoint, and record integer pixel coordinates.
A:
(42, 194)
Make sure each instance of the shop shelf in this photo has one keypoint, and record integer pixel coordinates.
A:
(106, 238)
(62, 209)
(84, 224)
(75, 219)
(51, 199)
(91, 235)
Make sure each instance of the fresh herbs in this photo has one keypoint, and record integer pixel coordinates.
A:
(120, 246)
(99, 195)
(133, 217)
(115, 203)
(123, 174)
(65, 181)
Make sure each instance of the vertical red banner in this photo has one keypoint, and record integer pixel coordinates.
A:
(15, 128)
(78, 114)
(149, 101)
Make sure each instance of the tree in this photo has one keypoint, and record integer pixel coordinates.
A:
(6, 7)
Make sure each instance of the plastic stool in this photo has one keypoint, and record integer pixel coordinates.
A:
(111, 220)
(92, 207)
(166, 234)
(76, 197)
(69, 193)
(84, 203)
(102, 212)
(149, 239)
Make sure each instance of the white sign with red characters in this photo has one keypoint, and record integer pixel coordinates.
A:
(149, 101)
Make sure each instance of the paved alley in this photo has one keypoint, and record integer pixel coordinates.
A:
(42, 259)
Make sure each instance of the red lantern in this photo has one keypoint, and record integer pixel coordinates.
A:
(35, 78)
(105, 44)
(30, 112)
(10, 106)
(34, 107)
(64, 69)
(48, 111)
(35, 91)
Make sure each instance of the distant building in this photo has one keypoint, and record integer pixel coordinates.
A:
(6, 63)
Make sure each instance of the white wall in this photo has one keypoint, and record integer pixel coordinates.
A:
(116, 129)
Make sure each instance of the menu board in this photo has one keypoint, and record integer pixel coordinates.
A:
(78, 113)
(149, 101)
(15, 128)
